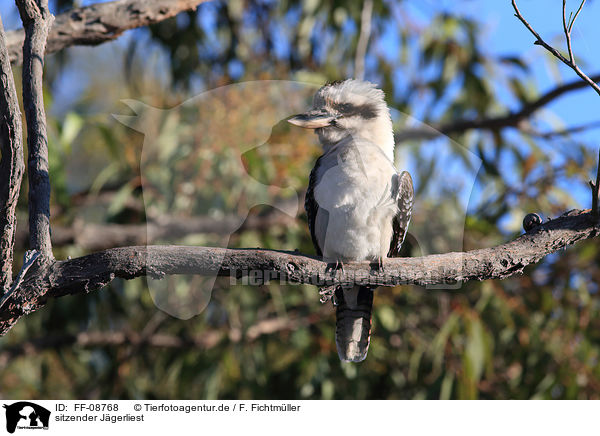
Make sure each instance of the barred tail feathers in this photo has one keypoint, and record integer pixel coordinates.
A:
(353, 322)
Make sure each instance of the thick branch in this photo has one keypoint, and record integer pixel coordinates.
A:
(512, 119)
(11, 165)
(37, 20)
(98, 23)
(94, 271)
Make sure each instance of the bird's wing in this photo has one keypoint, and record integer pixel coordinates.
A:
(312, 207)
(403, 192)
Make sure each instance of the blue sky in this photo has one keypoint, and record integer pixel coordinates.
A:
(504, 34)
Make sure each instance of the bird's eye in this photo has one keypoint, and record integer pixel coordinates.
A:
(335, 120)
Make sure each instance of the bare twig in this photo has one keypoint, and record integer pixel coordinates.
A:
(88, 273)
(567, 28)
(363, 39)
(37, 20)
(575, 17)
(11, 164)
(102, 22)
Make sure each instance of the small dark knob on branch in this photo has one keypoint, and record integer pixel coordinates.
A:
(531, 221)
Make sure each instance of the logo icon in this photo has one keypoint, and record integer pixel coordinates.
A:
(26, 415)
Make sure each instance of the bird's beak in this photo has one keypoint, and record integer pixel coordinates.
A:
(312, 119)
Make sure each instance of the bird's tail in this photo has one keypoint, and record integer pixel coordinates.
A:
(353, 322)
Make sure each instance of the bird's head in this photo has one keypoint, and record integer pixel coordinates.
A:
(349, 108)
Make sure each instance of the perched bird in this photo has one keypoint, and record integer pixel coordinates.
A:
(358, 205)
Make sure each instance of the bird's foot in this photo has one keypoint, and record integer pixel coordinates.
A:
(333, 268)
(377, 266)
(326, 293)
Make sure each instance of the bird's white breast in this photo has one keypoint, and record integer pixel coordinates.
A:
(354, 192)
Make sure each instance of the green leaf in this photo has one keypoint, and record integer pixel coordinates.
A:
(70, 128)
(475, 350)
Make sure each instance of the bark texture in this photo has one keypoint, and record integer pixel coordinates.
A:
(102, 22)
(37, 20)
(11, 165)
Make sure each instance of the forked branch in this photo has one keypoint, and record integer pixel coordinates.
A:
(567, 27)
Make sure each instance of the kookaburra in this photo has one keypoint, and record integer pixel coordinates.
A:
(358, 205)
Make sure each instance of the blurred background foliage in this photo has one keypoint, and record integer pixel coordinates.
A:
(533, 336)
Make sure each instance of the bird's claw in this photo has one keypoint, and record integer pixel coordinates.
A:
(378, 265)
(333, 268)
(326, 293)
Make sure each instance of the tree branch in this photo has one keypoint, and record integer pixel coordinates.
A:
(11, 163)
(88, 273)
(512, 119)
(102, 22)
(568, 26)
(562, 132)
(28, 259)
(567, 29)
(37, 20)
